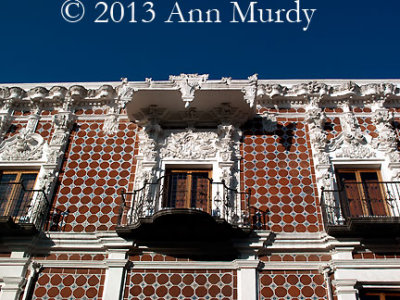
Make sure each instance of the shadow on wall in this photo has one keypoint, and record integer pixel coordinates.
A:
(284, 132)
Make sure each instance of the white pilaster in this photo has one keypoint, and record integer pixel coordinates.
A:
(114, 281)
(345, 289)
(12, 272)
(247, 279)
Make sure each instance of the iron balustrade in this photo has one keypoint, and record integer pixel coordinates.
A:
(57, 219)
(258, 218)
(222, 202)
(361, 200)
(23, 206)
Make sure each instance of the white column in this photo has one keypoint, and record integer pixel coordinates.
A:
(345, 289)
(12, 271)
(247, 279)
(115, 275)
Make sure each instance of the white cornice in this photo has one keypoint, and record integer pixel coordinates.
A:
(210, 83)
(262, 90)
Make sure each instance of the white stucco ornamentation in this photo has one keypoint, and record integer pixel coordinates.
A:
(351, 142)
(316, 119)
(387, 139)
(190, 145)
(250, 91)
(22, 147)
(188, 84)
(125, 92)
(148, 142)
(110, 125)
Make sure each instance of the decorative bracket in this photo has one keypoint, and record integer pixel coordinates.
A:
(188, 84)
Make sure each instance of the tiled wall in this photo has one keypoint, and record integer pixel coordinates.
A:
(293, 285)
(96, 168)
(69, 284)
(278, 168)
(181, 284)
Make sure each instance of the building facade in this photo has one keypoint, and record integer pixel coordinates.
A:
(194, 188)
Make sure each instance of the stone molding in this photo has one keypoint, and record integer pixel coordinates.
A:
(263, 93)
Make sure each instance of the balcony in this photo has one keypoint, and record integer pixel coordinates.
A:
(23, 211)
(184, 206)
(363, 209)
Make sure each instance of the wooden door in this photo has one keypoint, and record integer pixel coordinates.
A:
(364, 192)
(188, 189)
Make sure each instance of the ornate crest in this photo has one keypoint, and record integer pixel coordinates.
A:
(22, 147)
(190, 145)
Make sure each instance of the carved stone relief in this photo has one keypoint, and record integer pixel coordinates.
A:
(188, 84)
(316, 119)
(387, 139)
(189, 145)
(22, 147)
(110, 125)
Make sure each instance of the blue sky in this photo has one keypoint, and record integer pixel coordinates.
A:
(346, 39)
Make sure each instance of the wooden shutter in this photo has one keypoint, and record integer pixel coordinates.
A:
(188, 189)
(348, 183)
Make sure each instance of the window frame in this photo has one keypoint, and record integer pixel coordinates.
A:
(8, 210)
(361, 191)
(382, 294)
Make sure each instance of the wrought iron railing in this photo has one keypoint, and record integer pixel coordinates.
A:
(361, 200)
(56, 220)
(23, 206)
(221, 202)
(258, 218)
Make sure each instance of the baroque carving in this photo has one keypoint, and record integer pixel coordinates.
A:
(77, 92)
(17, 93)
(148, 141)
(142, 177)
(351, 143)
(250, 94)
(190, 145)
(4, 93)
(58, 93)
(38, 93)
(63, 121)
(46, 180)
(5, 123)
(110, 125)
(25, 146)
(125, 93)
(272, 90)
(355, 151)
(347, 88)
(225, 141)
(104, 92)
(254, 90)
(188, 84)
(387, 139)
(316, 119)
